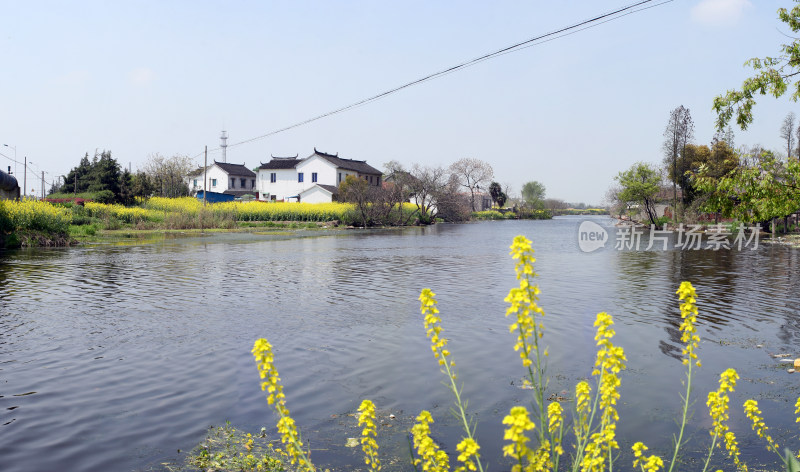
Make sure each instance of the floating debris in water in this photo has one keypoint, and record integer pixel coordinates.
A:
(791, 371)
(392, 417)
(352, 442)
(787, 360)
(781, 355)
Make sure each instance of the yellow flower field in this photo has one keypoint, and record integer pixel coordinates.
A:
(33, 215)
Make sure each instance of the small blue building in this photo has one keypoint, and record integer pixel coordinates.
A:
(215, 197)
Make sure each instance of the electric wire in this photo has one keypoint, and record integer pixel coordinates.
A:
(540, 39)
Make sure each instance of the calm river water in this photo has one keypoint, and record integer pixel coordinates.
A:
(115, 357)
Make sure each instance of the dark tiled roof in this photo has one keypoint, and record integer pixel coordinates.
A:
(281, 163)
(331, 188)
(358, 166)
(235, 169)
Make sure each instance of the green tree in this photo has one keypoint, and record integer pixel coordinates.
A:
(495, 190)
(533, 193)
(774, 76)
(768, 188)
(639, 186)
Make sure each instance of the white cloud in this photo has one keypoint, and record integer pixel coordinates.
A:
(142, 76)
(719, 12)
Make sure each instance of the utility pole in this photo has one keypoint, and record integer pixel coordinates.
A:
(25, 178)
(205, 176)
(42, 185)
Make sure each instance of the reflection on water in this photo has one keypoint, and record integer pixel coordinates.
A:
(115, 357)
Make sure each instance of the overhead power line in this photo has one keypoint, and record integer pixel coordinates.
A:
(542, 38)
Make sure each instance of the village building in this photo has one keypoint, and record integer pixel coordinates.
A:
(224, 178)
(314, 179)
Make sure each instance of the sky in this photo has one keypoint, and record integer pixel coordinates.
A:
(145, 77)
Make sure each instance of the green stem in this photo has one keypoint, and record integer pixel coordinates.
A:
(685, 414)
(580, 445)
(461, 409)
(711, 450)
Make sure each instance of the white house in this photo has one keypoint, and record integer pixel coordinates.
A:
(223, 177)
(314, 179)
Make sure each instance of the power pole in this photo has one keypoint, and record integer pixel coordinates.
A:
(42, 185)
(25, 178)
(205, 176)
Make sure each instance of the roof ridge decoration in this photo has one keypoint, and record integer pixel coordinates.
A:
(325, 153)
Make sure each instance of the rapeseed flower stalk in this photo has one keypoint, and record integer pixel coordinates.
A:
(592, 456)
(528, 327)
(691, 340)
(290, 436)
(468, 447)
(718, 405)
(518, 423)
(754, 414)
(368, 435)
(429, 455)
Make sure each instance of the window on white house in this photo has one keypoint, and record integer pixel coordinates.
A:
(243, 182)
(213, 182)
(195, 182)
(233, 182)
(299, 176)
(313, 176)
(340, 177)
(252, 183)
(273, 177)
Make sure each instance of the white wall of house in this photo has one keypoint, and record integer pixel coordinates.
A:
(326, 172)
(285, 184)
(217, 180)
(316, 194)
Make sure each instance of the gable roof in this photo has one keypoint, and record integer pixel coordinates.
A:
(281, 163)
(235, 169)
(349, 164)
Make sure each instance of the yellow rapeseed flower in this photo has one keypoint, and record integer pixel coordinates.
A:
(687, 295)
(368, 435)
(429, 455)
(754, 414)
(646, 463)
(290, 436)
(555, 416)
(468, 449)
(518, 423)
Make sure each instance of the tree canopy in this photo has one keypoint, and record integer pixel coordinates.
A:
(533, 193)
(472, 174)
(640, 185)
(774, 76)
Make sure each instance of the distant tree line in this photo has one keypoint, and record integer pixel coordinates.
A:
(107, 182)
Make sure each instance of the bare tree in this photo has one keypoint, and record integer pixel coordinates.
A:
(168, 175)
(472, 174)
(679, 133)
(787, 133)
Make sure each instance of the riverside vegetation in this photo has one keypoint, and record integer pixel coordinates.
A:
(40, 223)
(58, 222)
(538, 440)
